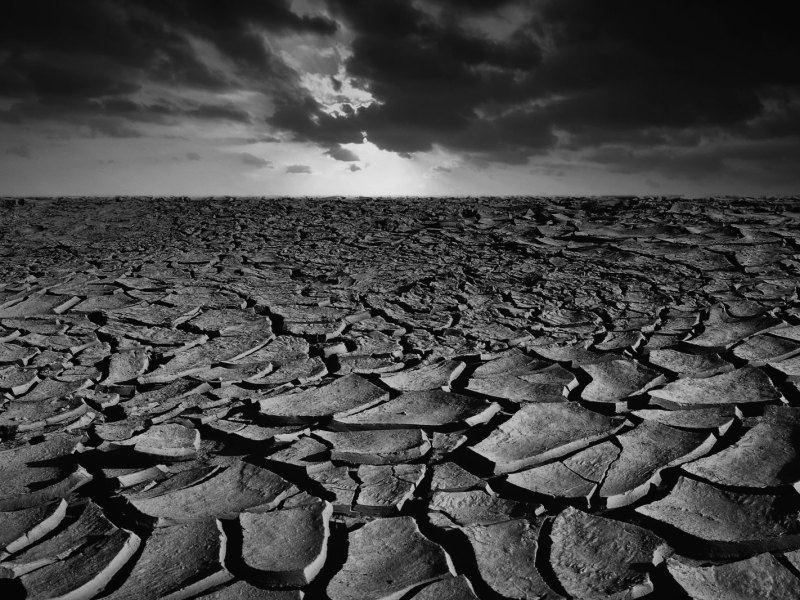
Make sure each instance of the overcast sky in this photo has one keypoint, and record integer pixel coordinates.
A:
(399, 97)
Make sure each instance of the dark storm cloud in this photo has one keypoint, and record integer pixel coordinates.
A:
(343, 154)
(578, 73)
(60, 60)
(429, 77)
(630, 86)
(265, 139)
(161, 112)
(252, 160)
(622, 67)
(140, 33)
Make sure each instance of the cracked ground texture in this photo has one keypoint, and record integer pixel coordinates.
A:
(408, 398)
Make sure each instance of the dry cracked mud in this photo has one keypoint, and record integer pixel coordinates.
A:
(358, 398)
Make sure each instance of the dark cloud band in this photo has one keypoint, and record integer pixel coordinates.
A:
(626, 85)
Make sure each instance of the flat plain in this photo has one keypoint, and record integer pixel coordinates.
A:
(366, 398)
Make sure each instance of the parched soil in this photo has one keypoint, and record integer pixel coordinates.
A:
(361, 398)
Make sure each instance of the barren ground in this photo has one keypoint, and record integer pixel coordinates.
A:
(418, 398)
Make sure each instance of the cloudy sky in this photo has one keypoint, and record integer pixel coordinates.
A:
(399, 97)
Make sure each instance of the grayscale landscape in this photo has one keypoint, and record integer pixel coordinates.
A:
(417, 398)
(399, 300)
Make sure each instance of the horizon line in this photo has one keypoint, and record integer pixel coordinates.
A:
(795, 196)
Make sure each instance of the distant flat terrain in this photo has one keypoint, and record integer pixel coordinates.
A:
(400, 398)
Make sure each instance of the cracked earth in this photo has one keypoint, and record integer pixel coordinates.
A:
(396, 399)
